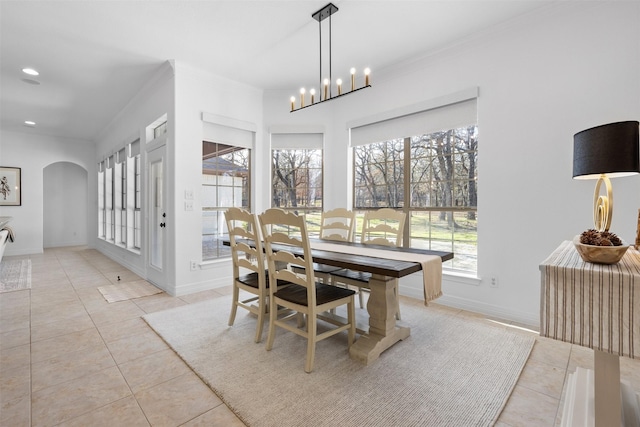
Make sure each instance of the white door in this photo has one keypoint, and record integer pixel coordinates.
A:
(157, 219)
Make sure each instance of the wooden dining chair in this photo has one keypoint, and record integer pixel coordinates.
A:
(243, 226)
(384, 227)
(335, 225)
(286, 241)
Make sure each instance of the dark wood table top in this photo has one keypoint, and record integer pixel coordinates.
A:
(369, 264)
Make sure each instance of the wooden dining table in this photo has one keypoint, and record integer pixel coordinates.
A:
(383, 331)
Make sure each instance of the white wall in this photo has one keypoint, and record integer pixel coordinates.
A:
(198, 92)
(153, 101)
(65, 205)
(33, 153)
(541, 80)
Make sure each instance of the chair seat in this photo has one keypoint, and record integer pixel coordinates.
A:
(251, 280)
(357, 276)
(324, 294)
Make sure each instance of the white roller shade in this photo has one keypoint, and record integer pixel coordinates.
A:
(134, 148)
(448, 112)
(227, 135)
(286, 141)
(120, 156)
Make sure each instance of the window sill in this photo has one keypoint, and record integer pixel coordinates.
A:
(462, 278)
(206, 265)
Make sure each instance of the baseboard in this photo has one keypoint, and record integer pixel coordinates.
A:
(21, 251)
(206, 285)
(530, 320)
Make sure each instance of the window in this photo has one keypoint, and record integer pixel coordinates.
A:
(109, 199)
(123, 203)
(296, 175)
(225, 183)
(101, 204)
(137, 218)
(160, 130)
(432, 176)
(119, 197)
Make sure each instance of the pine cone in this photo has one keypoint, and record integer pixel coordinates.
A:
(596, 238)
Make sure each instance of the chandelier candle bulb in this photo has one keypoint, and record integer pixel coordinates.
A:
(326, 89)
(293, 103)
(302, 91)
(313, 95)
(366, 76)
(353, 79)
(339, 83)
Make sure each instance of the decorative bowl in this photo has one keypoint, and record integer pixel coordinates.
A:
(600, 254)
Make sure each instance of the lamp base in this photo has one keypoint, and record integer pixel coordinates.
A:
(603, 205)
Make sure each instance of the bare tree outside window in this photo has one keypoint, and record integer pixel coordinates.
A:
(441, 188)
(296, 177)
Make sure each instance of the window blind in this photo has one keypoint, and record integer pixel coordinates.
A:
(449, 112)
(134, 148)
(286, 141)
(120, 156)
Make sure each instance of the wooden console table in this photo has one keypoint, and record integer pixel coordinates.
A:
(595, 306)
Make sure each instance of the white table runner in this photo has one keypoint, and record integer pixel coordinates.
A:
(431, 264)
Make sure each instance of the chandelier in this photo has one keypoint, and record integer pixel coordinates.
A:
(327, 84)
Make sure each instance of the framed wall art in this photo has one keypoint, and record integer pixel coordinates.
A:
(10, 186)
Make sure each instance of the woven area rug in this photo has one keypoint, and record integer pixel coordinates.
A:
(451, 371)
(128, 290)
(15, 275)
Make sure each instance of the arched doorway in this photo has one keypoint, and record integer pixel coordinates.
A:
(65, 203)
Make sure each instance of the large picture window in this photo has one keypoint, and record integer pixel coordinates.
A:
(439, 193)
(296, 175)
(225, 183)
(432, 176)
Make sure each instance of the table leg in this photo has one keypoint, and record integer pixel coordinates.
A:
(608, 402)
(383, 331)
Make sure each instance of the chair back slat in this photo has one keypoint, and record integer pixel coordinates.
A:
(337, 224)
(244, 225)
(383, 227)
(271, 222)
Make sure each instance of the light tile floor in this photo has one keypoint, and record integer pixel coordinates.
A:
(69, 358)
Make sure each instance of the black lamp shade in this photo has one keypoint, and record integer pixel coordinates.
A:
(611, 149)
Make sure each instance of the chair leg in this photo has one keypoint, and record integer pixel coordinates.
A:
(395, 290)
(273, 308)
(262, 312)
(311, 344)
(301, 320)
(234, 305)
(351, 318)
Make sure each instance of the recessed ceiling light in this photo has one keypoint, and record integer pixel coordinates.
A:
(30, 71)
(29, 123)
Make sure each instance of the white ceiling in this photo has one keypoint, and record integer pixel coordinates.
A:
(93, 56)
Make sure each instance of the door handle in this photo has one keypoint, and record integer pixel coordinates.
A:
(162, 224)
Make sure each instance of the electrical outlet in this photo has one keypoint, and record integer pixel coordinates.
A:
(194, 265)
(493, 282)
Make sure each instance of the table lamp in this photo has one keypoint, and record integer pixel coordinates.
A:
(604, 152)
